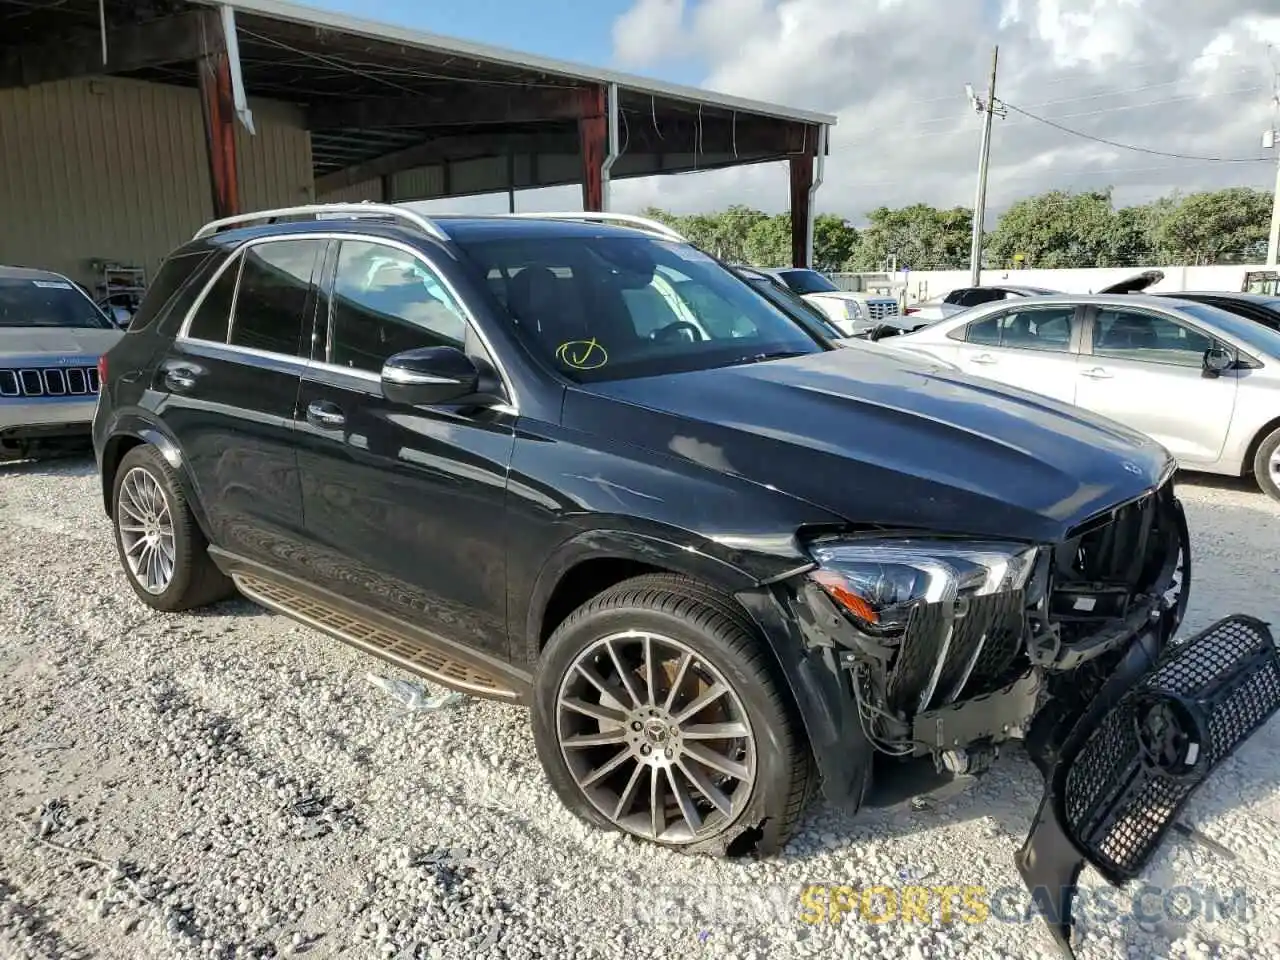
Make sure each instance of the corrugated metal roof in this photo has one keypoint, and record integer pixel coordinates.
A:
(372, 29)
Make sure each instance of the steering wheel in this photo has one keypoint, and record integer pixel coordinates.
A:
(670, 331)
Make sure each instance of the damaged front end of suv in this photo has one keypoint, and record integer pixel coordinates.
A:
(950, 647)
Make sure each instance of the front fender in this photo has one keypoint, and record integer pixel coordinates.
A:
(649, 549)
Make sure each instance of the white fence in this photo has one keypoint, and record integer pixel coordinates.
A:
(926, 284)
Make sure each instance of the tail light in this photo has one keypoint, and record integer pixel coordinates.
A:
(102, 370)
(910, 310)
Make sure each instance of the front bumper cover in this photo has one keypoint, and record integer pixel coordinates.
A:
(1132, 761)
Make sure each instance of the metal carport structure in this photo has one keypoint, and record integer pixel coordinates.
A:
(394, 114)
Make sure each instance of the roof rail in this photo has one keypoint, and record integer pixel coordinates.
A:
(321, 211)
(624, 219)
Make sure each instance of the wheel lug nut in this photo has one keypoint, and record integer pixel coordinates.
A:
(645, 749)
(670, 753)
(636, 725)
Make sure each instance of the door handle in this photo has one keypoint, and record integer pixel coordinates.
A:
(984, 358)
(325, 414)
(1097, 373)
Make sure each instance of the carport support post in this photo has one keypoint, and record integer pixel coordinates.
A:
(801, 197)
(593, 135)
(218, 105)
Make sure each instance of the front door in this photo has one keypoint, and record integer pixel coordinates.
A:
(1031, 347)
(1146, 370)
(230, 383)
(404, 506)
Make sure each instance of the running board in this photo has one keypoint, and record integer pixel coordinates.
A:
(372, 637)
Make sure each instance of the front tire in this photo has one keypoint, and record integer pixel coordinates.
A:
(162, 549)
(1266, 464)
(657, 712)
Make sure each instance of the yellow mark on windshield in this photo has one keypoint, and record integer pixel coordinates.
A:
(582, 354)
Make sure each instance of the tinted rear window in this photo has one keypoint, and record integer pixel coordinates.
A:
(48, 302)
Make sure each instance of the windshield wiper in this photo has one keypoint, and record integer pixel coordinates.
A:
(775, 355)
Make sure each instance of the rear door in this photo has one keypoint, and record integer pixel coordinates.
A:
(1146, 370)
(1029, 346)
(405, 506)
(230, 381)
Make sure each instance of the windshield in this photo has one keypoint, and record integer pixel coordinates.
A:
(47, 303)
(1255, 334)
(807, 281)
(620, 307)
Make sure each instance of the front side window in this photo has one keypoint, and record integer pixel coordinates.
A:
(607, 308)
(1127, 335)
(1032, 328)
(275, 291)
(48, 302)
(386, 301)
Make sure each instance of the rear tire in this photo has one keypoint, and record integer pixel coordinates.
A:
(732, 776)
(161, 547)
(1266, 464)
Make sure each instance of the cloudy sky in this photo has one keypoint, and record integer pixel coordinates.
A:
(1193, 77)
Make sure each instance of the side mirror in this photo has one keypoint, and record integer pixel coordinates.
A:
(1217, 360)
(429, 375)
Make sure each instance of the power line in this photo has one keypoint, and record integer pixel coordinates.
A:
(1130, 146)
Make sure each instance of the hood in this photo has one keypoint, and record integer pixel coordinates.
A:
(1135, 283)
(881, 438)
(56, 341)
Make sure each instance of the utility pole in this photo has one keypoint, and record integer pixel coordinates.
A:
(988, 108)
(1273, 241)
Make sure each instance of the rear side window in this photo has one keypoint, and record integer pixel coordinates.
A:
(277, 281)
(214, 313)
(173, 276)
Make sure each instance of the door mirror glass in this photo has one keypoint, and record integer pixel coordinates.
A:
(1217, 360)
(429, 375)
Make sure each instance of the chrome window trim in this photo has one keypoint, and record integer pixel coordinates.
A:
(513, 407)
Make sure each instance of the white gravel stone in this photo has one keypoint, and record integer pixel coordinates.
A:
(268, 801)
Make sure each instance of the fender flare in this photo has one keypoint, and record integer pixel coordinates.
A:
(131, 426)
(613, 544)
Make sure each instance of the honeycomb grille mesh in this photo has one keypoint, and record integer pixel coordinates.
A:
(1119, 795)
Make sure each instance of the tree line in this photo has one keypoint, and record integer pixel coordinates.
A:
(1050, 230)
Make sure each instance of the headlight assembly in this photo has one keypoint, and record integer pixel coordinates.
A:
(931, 603)
(878, 582)
(852, 311)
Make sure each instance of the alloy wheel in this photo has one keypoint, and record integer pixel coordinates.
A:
(1273, 466)
(655, 737)
(145, 523)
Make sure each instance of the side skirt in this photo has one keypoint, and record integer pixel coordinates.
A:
(407, 646)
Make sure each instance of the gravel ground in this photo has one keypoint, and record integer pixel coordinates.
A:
(230, 784)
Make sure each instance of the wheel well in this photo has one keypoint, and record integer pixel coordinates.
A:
(1247, 467)
(584, 581)
(112, 454)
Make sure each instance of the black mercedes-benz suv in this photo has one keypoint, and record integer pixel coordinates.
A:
(572, 462)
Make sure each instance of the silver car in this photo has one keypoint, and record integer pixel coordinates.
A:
(1201, 381)
(51, 338)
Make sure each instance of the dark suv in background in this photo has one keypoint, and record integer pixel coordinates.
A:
(721, 560)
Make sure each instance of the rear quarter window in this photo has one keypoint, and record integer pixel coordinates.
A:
(172, 280)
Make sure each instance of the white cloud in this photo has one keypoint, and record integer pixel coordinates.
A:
(1181, 76)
